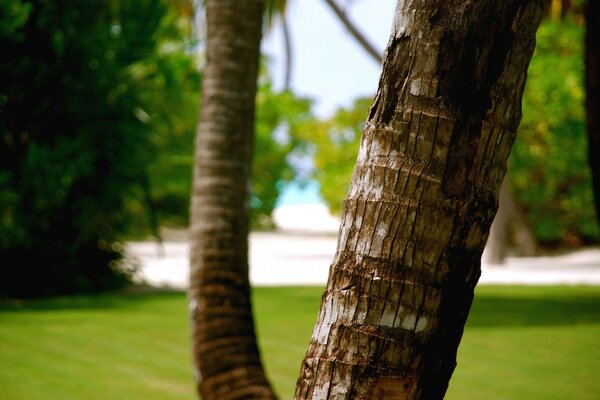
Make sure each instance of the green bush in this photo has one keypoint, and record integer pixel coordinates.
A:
(549, 169)
(335, 144)
(77, 102)
(281, 119)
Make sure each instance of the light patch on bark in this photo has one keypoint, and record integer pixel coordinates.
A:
(321, 391)
(422, 324)
(339, 391)
(402, 21)
(329, 315)
(192, 306)
(409, 322)
(197, 375)
(362, 154)
(388, 319)
(376, 148)
(361, 317)
(415, 87)
(335, 392)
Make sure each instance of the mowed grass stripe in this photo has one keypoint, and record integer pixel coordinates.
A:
(100, 353)
(519, 343)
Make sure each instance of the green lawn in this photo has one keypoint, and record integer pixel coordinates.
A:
(520, 343)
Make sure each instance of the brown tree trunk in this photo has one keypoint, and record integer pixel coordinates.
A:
(592, 94)
(424, 193)
(287, 40)
(226, 356)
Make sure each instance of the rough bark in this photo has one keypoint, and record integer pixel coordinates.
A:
(226, 356)
(423, 195)
(592, 94)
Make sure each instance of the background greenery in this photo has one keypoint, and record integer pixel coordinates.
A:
(549, 167)
(98, 108)
(520, 343)
(76, 96)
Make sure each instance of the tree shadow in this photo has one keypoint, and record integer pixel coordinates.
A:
(123, 299)
(541, 309)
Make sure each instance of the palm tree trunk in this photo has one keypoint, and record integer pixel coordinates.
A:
(423, 195)
(226, 356)
(287, 40)
(592, 94)
(509, 230)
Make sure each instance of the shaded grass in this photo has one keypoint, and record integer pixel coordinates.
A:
(520, 343)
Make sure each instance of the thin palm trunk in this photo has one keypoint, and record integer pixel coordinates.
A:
(509, 230)
(592, 94)
(360, 38)
(226, 356)
(423, 195)
(287, 40)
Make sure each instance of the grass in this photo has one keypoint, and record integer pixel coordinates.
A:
(520, 343)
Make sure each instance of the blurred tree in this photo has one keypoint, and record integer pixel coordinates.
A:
(280, 116)
(227, 362)
(277, 8)
(592, 95)
(335, 143)
(552, 184)
(77, 119)
(281, 120)
(423, 195)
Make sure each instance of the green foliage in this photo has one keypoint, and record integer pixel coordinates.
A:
(13, 15)
(549, 169)
(274, 8)
(335, 146)
(78, 114)
(173, 80)
(281, 119)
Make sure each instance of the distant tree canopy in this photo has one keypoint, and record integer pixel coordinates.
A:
(79, 111)
(550, 175)
(335, 143)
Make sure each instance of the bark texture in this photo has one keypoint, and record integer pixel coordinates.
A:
(226, 356)
(423, 195)
(592, 94)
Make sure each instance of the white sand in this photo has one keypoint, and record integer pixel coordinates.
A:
(301, 251)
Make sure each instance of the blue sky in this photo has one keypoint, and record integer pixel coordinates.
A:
(328, 65)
